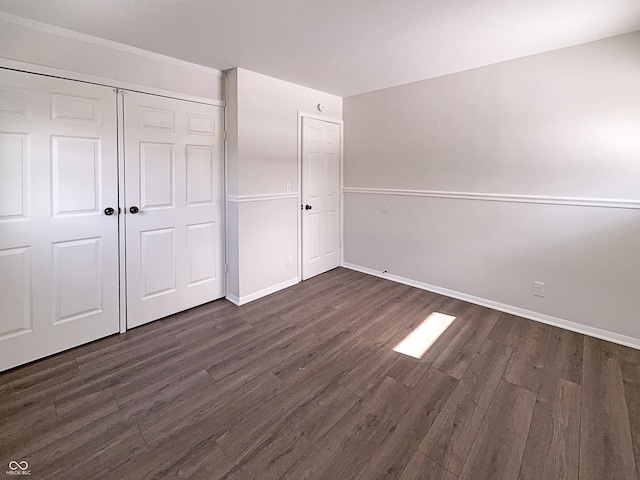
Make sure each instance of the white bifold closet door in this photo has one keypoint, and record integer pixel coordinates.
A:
(58, 248)
(174, 177)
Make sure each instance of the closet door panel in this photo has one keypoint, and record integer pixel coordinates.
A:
(174, 183)
(58, 250)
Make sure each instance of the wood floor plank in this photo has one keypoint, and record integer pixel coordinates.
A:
(217, 332)
(552, 451)
(207, 462)
(54, 429)
(334, 452)
(293, 436)
(386, 322)
(87, 381)
(451, 437)
(162, 399)
(443, 343)
(525, 370)
(534, 338)
(564, 356)
(262, 358)
(408, 370)
(186, 408)
(257, 423)
(351, 348)
(507, 329)
(456, 358)
(370, 371)
(391, 448)
(421, 467)
(94, 453)
(606, 448)
(497, 450)
(304, 384)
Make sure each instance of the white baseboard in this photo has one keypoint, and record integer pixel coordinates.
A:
(520, 312)
(261, 293)
(233, 299)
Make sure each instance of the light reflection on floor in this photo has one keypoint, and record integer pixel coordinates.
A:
(424, 335)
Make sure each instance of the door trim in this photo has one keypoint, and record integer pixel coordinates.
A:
(339, 122)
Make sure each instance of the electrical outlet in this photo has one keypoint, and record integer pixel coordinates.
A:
(289, 261)
(538, 289)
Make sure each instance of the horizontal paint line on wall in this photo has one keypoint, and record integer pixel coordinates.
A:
(502, 307)
(499, 197)
(260, 198)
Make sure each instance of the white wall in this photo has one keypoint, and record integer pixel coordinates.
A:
(499, 176)
(262, 156)
(46, 46)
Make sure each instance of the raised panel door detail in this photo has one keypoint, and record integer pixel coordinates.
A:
(13, 101)
(14, 175)
(200, 175)
(78, 279)
(329, 235)
(158, 254)
(333, 171)
(156, 175)
(314, 224)
(15, 291)
(201, 124)
(317, 171)
(314, 135)
(75, 173)
(201, 250)
(333, 141)
(157, 119)
(73, 108)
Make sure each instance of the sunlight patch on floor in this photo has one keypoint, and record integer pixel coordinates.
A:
(424, 335)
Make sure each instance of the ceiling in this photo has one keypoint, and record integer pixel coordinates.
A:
(344, 47)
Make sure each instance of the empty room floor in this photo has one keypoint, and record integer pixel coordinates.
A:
(305, 384)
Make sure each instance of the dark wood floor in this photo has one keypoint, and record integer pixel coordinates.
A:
(304, 384)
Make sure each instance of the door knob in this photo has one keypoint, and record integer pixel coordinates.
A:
(134, 210)
(109, 211)
(307, 207)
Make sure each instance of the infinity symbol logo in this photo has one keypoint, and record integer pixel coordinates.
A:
(13, 465)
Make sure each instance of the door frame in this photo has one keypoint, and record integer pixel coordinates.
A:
(339, 122)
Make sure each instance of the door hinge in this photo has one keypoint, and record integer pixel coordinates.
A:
(224, 135)
(226, 268)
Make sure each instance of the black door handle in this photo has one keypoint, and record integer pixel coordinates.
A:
(134, 210)
(109, 211)
(307, 207)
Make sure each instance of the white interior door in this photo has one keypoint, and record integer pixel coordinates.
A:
(58, 249)
(174, 182)
(321, 149)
